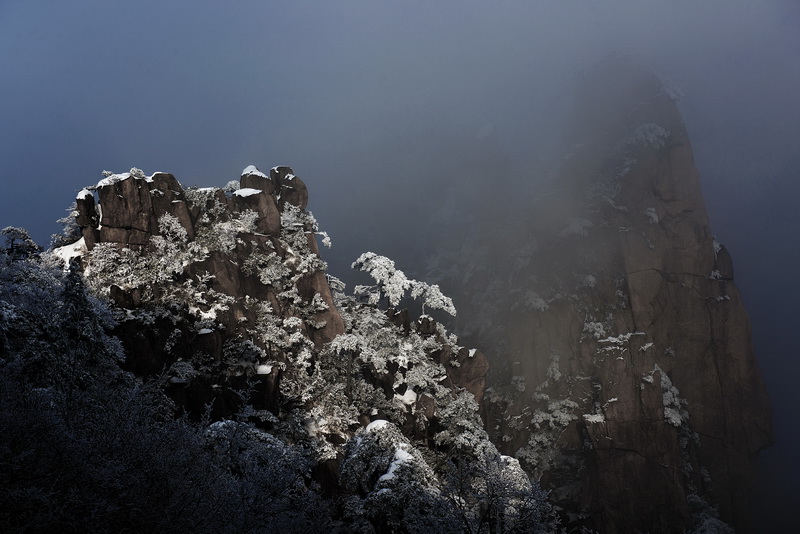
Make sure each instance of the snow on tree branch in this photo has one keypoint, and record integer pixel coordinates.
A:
(393, 284)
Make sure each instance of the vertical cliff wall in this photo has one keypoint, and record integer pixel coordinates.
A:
(636, 394)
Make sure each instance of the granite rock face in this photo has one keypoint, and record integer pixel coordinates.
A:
(228, 256)
(224, 290)
(638, 398)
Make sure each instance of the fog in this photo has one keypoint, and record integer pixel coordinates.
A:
(389, 111)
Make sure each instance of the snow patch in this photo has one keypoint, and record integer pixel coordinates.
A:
(264, 369)
(622, 338)
(247, 192)
(401, 456)
(68, 252)
(113, 178)
(408, 398)
(84, 193)
(252, 170)
(377, 424)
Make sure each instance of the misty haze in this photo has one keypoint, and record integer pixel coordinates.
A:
(399, 267)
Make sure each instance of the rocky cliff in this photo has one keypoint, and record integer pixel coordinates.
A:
(308, 409)
(222, 296)
(634, 391)
(210, 268)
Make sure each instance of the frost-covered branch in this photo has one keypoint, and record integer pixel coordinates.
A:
(393, 284)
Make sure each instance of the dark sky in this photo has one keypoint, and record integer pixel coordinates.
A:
(377, 105)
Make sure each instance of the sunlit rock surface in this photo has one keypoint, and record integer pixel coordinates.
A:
(223, 291)
(228, 241)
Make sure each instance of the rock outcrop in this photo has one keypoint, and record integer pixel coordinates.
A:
(219, 255)
(309, 409)
(223, 292)
(637, 396)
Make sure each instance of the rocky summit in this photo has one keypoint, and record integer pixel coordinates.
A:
(213, 267)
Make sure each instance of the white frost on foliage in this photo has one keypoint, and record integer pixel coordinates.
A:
(675, 412)
(252, 170)
(432, 296)
(717, 247)
(533, 302)
(246, 192)
(401, 456)
(588, 281)
(393, 281)
(594, 418)
(622, 338)
(393, 284)
(651, 214)
(576, 226)
(553, 370)
(648, 135)
(594, 329)
(326, 239)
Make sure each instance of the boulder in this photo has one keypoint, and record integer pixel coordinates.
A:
(289, 187)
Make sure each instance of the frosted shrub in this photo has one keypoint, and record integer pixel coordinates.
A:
(398, 488)
(576, 227)
(171, 228)
(393, 284)
(648, 135)
(594, 329)
(218, 228)
(391, 281)
(432, 296)
(110, 265)
(269, 268)
(674, 406)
